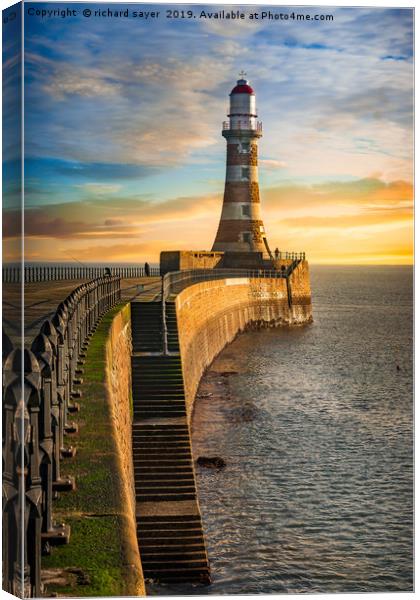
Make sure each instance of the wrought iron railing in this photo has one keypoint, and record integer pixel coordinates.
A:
(39, 392)
(31, 274)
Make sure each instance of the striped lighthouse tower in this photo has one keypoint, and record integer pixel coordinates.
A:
(241, 228)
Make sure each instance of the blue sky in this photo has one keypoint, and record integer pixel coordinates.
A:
(123, 120)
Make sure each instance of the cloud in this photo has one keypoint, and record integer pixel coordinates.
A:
(270, 163)
(113, 222)
(107, 171)
(104, 215)
(107, 218)
(151, 113)
(329, 221)
(368, 218)
(100, 188)
(40, 223)
(354, 222)
(335, 195)
(79, 82)
(120, 252)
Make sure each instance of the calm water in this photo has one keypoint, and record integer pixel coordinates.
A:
(316, 430)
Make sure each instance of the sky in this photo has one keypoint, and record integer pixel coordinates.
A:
(123, 149)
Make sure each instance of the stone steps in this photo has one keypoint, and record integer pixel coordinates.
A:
(172, 327)
(154, 390)
(166, 440)
(164, 478)
(154, 395)
(172, 483)
(146, 413)
(165, 541)
(171, 544)
(162, 452)
(168, 497)
(146, 326)
(173, 549)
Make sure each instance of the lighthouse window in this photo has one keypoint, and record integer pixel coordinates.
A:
(246, 237)
(245, 173)
(245, 146)
(246, 210)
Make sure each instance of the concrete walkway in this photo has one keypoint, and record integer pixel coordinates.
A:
(42, 299)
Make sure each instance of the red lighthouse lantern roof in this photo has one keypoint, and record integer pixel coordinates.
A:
(242, 87)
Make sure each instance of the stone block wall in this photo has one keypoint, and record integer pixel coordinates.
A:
(210, 315)
(118, 385)
(180, 260)
(118, 361)
(300, 284)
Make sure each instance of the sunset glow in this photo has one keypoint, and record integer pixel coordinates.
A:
(125, 158)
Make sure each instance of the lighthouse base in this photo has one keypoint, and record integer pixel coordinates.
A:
(244, 260)
(181, 260)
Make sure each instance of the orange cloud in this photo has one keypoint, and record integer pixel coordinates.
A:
(364, 221)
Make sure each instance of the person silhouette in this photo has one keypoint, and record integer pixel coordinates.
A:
(147, 269)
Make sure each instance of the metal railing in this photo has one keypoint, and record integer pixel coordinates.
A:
(282, 255)
(174, 282)
(39, 391)
(242, 126)
(34, 274)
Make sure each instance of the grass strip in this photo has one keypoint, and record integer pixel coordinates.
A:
(92, 564)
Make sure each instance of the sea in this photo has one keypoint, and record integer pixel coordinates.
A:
(315, 425)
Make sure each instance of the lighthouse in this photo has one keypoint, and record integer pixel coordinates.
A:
(241, 228)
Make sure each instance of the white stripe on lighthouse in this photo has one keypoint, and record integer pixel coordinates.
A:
(235, 210)
(241, 173)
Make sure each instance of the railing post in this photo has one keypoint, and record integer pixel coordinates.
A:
(11, 460)
(164, 326)
(21, 479)
(33, 504)
(44, 352)
(63, 391)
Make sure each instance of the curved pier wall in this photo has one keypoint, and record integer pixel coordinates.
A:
(210, 315)
(118, 385)
(301, 287)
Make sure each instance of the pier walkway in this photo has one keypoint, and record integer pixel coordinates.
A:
(43, 297)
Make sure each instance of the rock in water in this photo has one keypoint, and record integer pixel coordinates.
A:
(211, 462)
